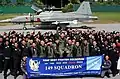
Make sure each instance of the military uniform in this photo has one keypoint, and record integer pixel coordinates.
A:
(12, 60)
(56, 50)
(23, 68)
(25, 52)
(7, 60)
(50, 51)
(33, 52)
(69, 50)
(85, 50)
(62, 46)
(23, 47)
(95, 51)
(106, 68)
(105, 49)
(1, 56)
(113, 58)
(42, 51)
(77, 51)
(17, 59)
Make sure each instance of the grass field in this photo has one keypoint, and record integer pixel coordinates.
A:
(7, 16)
(107, 17)
(103, 17)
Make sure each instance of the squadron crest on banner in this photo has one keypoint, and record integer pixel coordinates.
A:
(34, 65)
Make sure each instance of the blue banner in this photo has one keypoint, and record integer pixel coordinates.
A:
(37, 67)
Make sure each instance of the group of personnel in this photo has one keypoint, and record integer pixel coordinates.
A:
(15, 47)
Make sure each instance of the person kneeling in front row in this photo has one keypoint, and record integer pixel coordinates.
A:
(23, 67)
(106, 67)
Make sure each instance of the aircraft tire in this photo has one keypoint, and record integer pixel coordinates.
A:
(24, 28)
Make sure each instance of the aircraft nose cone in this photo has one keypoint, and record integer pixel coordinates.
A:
(5, 21)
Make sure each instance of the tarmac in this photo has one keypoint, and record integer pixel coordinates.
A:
(98, 27)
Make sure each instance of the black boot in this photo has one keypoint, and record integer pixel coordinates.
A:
(108, 74)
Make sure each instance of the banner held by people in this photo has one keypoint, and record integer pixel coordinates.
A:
(37, 67)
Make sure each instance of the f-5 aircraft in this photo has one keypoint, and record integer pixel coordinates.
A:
(83, 13)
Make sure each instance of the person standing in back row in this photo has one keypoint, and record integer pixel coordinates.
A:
(33, 51)
(95, 50)
(43, 53)
(85, 48)
(77, 50)
(62, 44)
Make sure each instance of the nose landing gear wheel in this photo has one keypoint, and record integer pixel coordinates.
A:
(24, 28)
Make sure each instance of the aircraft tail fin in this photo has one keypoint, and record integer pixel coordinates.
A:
(84, 8)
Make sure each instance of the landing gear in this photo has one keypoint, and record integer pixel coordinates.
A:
(24, 28)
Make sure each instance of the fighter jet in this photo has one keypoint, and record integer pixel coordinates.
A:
(83, 13)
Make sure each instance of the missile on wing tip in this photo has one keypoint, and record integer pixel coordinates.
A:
(6, 21)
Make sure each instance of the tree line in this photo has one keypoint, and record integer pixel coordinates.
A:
(15, 2)
(40, 2)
